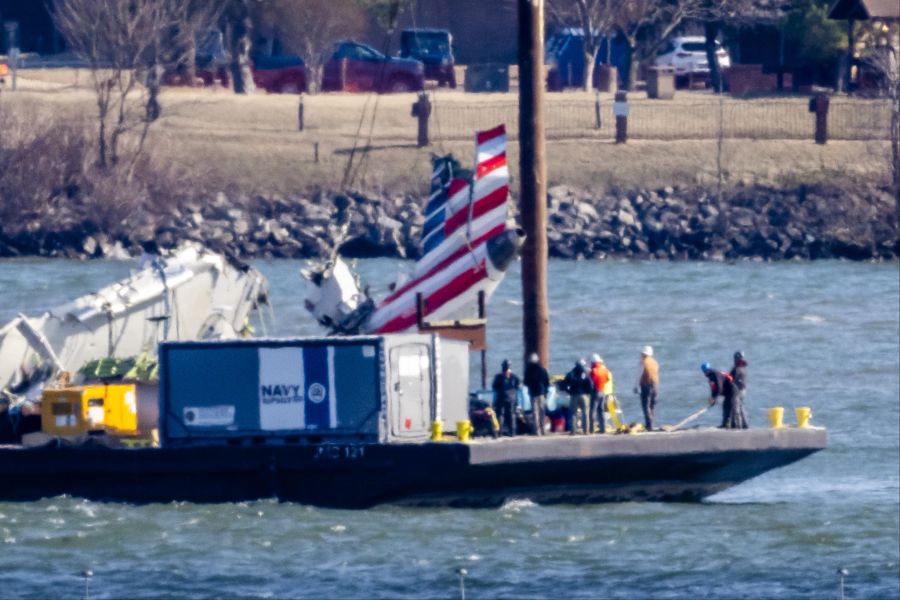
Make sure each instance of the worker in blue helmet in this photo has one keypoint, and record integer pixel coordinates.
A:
(721, 384)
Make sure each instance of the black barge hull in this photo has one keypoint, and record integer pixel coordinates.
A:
(680, 466)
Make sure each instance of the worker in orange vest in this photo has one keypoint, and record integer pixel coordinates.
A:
(602, 378)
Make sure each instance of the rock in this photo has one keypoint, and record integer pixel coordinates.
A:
(625, 204)
(89, 246)
(558, 192)
(709, 211)
(279, 234)
(587, 211)
(743, 220)
(241, 227)
(625, 217)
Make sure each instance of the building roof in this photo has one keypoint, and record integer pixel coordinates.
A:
(865, 9)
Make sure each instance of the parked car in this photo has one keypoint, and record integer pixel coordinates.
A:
(565, 60)
(280, 74)
(355, 67)
(285, 74)
(687, 55)
(274, 74)
(434, 48)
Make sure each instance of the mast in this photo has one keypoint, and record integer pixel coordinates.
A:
(533, 183)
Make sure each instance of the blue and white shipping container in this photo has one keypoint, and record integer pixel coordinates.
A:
(366, 389)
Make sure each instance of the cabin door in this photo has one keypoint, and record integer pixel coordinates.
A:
(411, 390)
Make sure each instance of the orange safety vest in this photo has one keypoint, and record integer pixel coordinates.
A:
(600, 377)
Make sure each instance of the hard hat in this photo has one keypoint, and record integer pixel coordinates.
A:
(647, 351)
(706, 367)
(595, 358)
(581, 363)
(738, 355)
(504, 365)
(533, 357)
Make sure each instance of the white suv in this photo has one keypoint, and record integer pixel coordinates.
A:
(687, 54)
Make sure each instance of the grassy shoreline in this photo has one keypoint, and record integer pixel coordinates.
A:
(251, 145)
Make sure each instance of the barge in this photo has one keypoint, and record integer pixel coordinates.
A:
(658, 466)
(346, 422)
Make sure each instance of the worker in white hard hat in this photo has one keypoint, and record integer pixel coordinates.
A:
(648, 385)
(603, 388)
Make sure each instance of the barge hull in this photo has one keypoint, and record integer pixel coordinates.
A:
(682, 466)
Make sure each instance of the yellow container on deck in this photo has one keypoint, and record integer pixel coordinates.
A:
(776, 417)
(804, 414)
(463, 430)
(80, 409)
(437, 431)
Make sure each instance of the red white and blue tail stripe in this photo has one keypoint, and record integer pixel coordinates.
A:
(461, 218)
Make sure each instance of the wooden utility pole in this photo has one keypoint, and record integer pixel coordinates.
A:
(533, 179)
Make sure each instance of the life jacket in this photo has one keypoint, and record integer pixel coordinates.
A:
(608, 386)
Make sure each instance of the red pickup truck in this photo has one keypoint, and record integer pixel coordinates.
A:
(280, 74)
(355, 67)
(274, 74)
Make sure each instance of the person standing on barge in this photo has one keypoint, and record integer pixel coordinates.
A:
(602, 378)
(537, 380)
(506, 387)
(648, 385)
(580, 388)
(739, 377)
(722, 384)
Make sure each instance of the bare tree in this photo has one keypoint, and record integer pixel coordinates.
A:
(310, 27)
(386, 12)
(596, 18)
(646, 24)
(885, 60)
(237, 16)
(122, 40)
(200, 17)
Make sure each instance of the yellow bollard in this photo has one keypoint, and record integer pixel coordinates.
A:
(463, 430)
(776, 417)
(804, 414)
(437, 431)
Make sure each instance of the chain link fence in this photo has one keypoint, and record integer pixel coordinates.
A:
(778, 119)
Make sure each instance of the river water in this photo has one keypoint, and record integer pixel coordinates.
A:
(824, 334)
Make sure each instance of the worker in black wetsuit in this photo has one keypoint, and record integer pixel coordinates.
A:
(506, 387)
(537, 380)
(721, 384)
(739, 378)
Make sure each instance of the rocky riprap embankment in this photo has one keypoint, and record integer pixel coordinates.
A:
(859, 223)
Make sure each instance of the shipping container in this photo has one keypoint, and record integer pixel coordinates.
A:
(367, 389)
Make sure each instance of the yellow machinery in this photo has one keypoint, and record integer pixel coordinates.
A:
(80, 409)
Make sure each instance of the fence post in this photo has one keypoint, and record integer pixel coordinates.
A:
(620, 110)
(344, 63)
(300, 114)
(820, 105)
(421, 108)
(597, 121)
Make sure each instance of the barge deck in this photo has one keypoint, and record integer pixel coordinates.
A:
(658, 466)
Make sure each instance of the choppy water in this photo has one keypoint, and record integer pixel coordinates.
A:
(825, 334)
